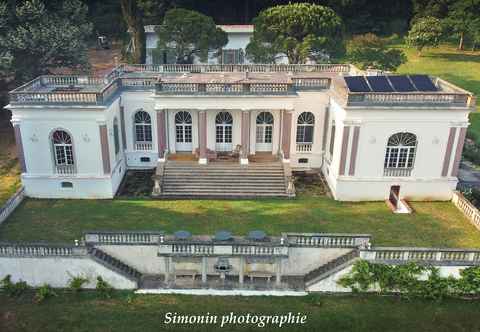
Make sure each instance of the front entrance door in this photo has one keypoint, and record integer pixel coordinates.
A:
(183, 131)
(223, 132)
(264, 132)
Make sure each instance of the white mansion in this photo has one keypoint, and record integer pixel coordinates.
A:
(233, 130)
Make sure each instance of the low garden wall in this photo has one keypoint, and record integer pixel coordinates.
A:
(11, 204)
(468, 209)
(39, 264)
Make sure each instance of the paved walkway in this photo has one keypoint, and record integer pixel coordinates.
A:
(468, 175)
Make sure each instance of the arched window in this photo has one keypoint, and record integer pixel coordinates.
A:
(63, 152)
(143, 127)
(183, 131)
(400, 151)
(116, 138)
(305, 125)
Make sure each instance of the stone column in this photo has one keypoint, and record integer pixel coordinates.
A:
(204, 269)
(278, 272)
(448, 152)
(245, 137)
(241, 271)
(458, 152)
(161, 134)
(19, 146)
(122, 122)
(202, 137)
(168, 264)
(104, 148)
(286, 134)
(344, 151)
(354, 151)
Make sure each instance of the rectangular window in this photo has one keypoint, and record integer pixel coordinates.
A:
(219, 134)
(179, 134)
(392, 162)
(259, 134)
(300, 134)
(188, 134)
(268, 134)
(228, 134)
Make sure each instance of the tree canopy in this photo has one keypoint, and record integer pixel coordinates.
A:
(186, 33)
(369, 50)
(425, 32)
(37, 37)
(300, 31)
(464, 20)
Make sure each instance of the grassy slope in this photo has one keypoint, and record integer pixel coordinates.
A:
(460, 68)
(433, 224)
(85, 312)
(9, 169)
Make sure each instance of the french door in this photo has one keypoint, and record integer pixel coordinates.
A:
(223, 131)
(183, 131)
(264, 132)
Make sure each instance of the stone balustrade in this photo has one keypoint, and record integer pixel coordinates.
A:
(458, 99)
(223, 88)
(123, 237)
(11, 204)
(232, 68)
(304, 147)
(436, 256)
(325, 240)
(40, 250)
(468, 209)
(143, 146)
(397, 171)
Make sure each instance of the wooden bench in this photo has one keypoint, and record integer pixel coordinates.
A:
(183, 273)
(260, 274)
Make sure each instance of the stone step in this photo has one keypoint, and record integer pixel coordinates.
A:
(252, 190)
(222, 181)
(231, 173)
(177, 195)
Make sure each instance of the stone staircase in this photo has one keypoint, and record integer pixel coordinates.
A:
(223, 180)
(331, 267)
(114, 264)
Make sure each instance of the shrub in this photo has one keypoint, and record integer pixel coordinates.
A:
(13, 289)
(408, 280)
(44, 293)
(104, 288)
(76, 283)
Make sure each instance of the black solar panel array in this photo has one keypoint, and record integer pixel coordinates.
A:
(397, 83)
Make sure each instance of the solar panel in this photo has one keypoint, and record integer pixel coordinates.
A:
(379, 84)
(357, 84)
(401, 83)
(423, 83)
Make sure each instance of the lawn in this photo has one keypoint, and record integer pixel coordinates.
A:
(460, 68)
(87, 312)
(433, 224)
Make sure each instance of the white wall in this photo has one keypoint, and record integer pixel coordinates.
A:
(58, 271)
(431, 126)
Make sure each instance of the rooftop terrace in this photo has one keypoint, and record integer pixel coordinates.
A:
(234, 80)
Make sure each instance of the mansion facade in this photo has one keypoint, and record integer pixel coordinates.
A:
(369, 135)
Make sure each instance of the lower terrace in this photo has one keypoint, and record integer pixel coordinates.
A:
(437, 224)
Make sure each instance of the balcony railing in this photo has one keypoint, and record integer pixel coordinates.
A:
(223, 88)
(397, 171)
(143, 146)
(65, 169)
(414, 98)
(232, 68)
(304, 147)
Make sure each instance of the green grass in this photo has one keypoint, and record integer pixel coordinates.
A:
(432, 224)
(460, 68)
(9, 168)
(87, 312)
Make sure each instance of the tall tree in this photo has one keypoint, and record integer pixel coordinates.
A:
(36, 38)
(186, 33)
(369, 50)
(425, 32)
(133, 16)
(301, 31)
(464, 19)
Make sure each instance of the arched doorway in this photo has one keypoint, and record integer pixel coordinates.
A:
(223, 131)
(264, 132)
(183, 131)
